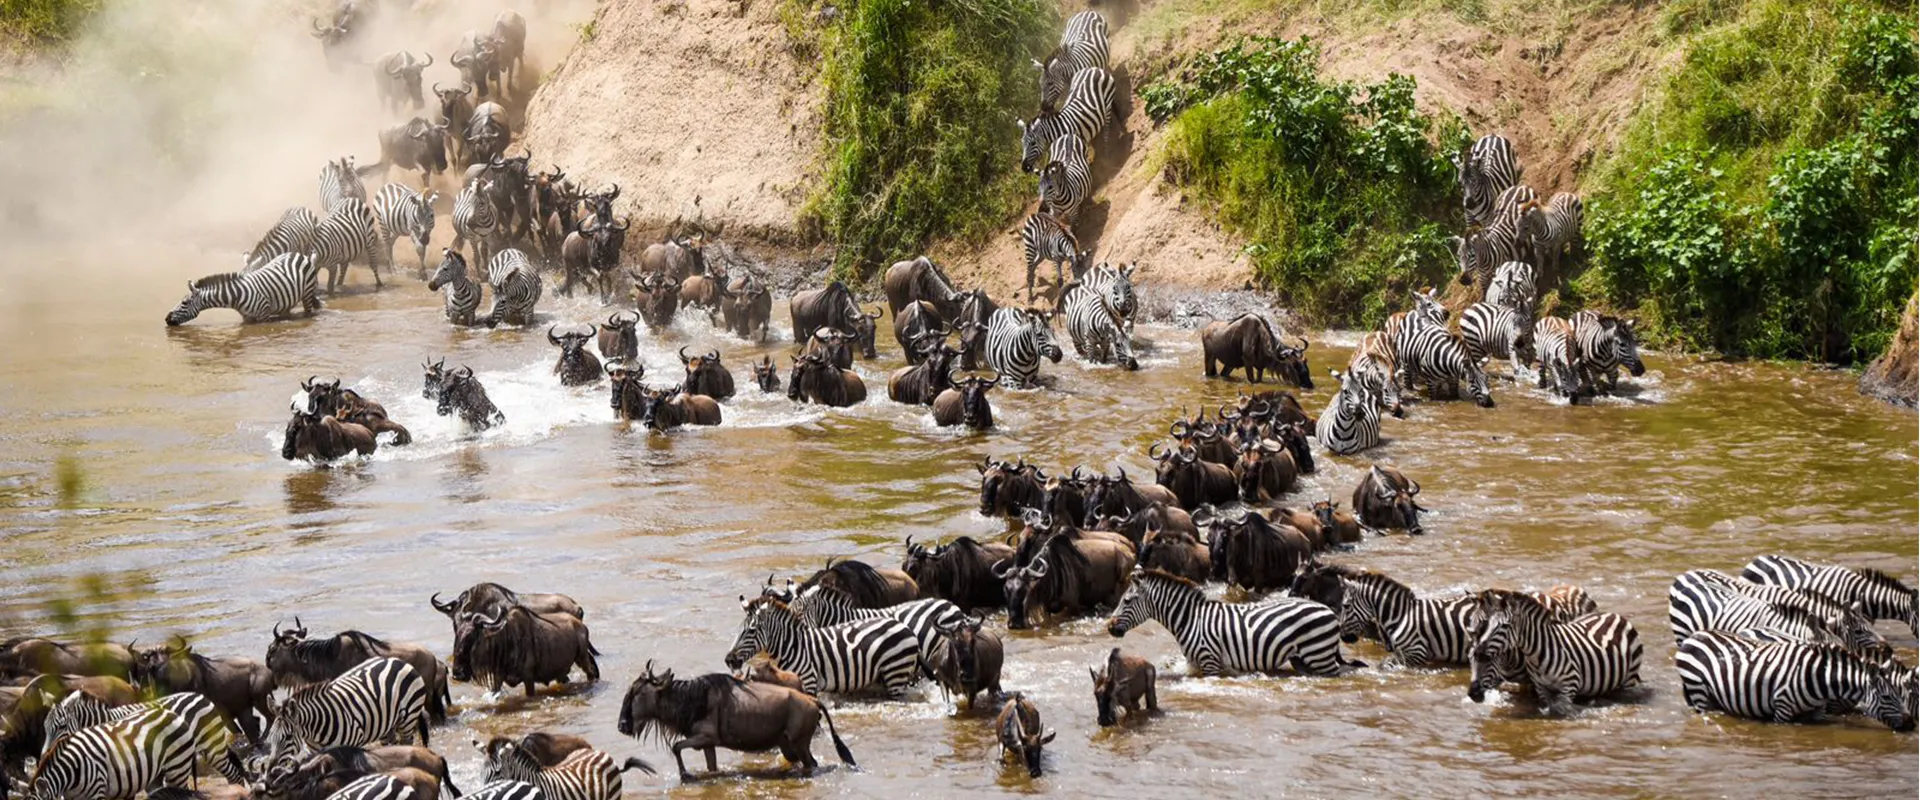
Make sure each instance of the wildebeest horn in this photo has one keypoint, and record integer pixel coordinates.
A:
(1415, 489)
(276, 630)
(1304, 344)
(308, 383)
(623, 224)
(1180, 429)
(444, 608)
(550, 338)
(429, 60)
(876, 314)
(1151, 454)
(1038, 568)
(614, 194)
(713, 356)
(1001, 568)
(683, 355)
(436, 87)
(995, 381)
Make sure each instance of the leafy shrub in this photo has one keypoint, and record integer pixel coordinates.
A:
(45, 19)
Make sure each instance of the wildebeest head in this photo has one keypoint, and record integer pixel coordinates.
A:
(997, 477)
(571, 342)
(1251, 469)
(624, 379)
(405, 70)
(641, 711)
(963, 642)
(620, 337)
(299, 433)
(1018, 583)
(975, 411)
(699, 367)
(1323, 510)
(864, 328)
(435, 377)
(766, 375)
(323, 397)
(433, 145)
(1390, 493)
(1020, 732)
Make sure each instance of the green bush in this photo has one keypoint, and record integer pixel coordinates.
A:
(45, 20)
(1339, 188)
(1765, 204)
(921, 103)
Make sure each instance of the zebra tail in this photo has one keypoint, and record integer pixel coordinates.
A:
(839, 747)
(636, 763)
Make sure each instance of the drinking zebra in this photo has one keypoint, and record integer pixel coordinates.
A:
(404, 212)
(348, 234)
(1083, 113)
(1046, 238)
(583, 775)
(1490, 331)
(841, 658)
(1224, 639)
(1351, 422)
(1067, 180)
(1098, 308)
(1564, 603)
(288, 281)
(1555, 228)
(1017, 339)
(475, 221)
(516, 287)
(1789, 681)
(1879, 595)
(1704, 599)
(1560, 365)
(292, 234)
(462, 293)
(1083, 45)
(823, 606)
(1605, 344)
(1437, 358)
(378, 700)
(1488, 169)
(339, 182)
(1593, 656)
(150, 749)
(1418, 631)
(212, 739)
(1372, 367)
(1513, 287)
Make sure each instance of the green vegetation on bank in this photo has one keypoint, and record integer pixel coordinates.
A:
(44, 20)
(1344, 191)
(1763, 203)
(921, 103)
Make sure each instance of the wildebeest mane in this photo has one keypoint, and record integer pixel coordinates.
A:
(1067, 567)
(959, 569)
(348, 759)
(683, 704)
(857, 579)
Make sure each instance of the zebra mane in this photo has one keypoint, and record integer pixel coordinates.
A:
(764, 601)
(1379, 581)
(220, 279)
(1881, 579)
(1163, 575)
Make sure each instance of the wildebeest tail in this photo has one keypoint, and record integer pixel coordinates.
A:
(636, 763)
(446, 779)
(423, 724)
(839, 747)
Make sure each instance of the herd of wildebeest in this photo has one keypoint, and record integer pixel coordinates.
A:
(1211, 545)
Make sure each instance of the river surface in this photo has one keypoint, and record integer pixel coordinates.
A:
(147, 458)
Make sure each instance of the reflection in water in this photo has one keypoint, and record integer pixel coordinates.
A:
(308, 493)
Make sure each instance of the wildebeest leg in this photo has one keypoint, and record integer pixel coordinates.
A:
(681, 762)
(713, 759)
(1153, 699)
(700, 740)
(530, 685)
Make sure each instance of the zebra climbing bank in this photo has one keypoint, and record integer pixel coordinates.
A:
(849, 657)
(1223, 639)
(1017, 338)
(287, 282)
(1083, 112)
(1067, 180)
(1099, 309)
(1789, 681)
(1486, 170)
(1593, 656)
(1046, 238)
(1083, 46)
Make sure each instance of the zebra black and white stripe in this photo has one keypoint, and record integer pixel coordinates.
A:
(1437, 358)
(516, 288)
(822, 607)
(1098, 308)
(1400, 326)
(1589, 657)
(506, 790)
(1488, 169)
(1083, 45)
(378, 700)
(1351, 422)
(1789, 681)
(1046, 238)
(375, 787)
(293, 233)
(1879, 595)
(287, 282)
(404, 212)
(1084, 113)
(1418, 631)
(1372, 367)
(1067, 179)
(583, 775)
(148, 750)
(1225, 639)
(340, 183)
(348, 234)
(1017, 339)
(1605, 344)
(1513, 287)
(1560, 366)
(213, 740)
(1555, 228)
(475, 223)
(1481, 251)
(1514, 201)
(849, 657)
(461, 292)
(1709, 600)
(1490, 331)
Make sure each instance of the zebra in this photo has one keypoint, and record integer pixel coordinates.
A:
(1418, 631)
(506, 790)
(1046, 238)
(147, 750)
(1555, 228)
(1089, 100)
(1400, 326)
(1488, 169)
(1704, 599)
(1437, 358)
(1083, 45)
(583, 775)
(1789, 681)
(824, 607)
(1223, 639)
(1017, 339)
(516, 288)
(840, 658)
(292, 234)
(403, 211)
(213, 740)
(1606, 344)
(475, 221)
(1879, 595)
(1097, 310)
(462, 293)
(1490, 331)
(378, 700)
(1564, 603)
(290, 280)
(1372, 366)
(1592, 656)
(1559, 358)
(1351, 422)
(1514, 201)
(1502, 240)
(349, 234)
(376, 786)
(1512, 287)
(1067, 180)
(339, 182)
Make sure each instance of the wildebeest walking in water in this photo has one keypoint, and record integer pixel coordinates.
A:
(718, 710)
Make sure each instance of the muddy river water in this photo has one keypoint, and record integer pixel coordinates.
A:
(148, 458)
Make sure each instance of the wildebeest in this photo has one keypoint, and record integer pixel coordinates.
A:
(1137, 527)
(831, 344)
(764, 668)
(240, 687)
(456, 106)
(1195, 482)
(965, 403)
(921, 383)
(916, 322)
(1251, 343)
(1068, 575)
(627, 394)
(316, 437)
(672, 407)
(1253, 553)
(718, 710)
(1120, 496)
(510, 45)
(1018, 727)
(517, 646)
(1384, 500)
(968, 661)
(488, 599)
(33, 655)
(1265, 471)
(554, 200)
(657, 298)
(920, 280)
(678, 259)
(486, 134)
(706, 375)
(396, 76)
(327, 398)
(1006, 488)
(1122, 682)
(293, 659)
(414, 144)
(868, 586)
(766, 375)
(1176, 552)
(1338, 526)
(577, 366)
(702, 291)
(833, 306)
(460, 391)
(746, 306)
(339, 36)
(960, 571)
(478, 59)
(814, 380)
(618, 338)
(603, 238)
